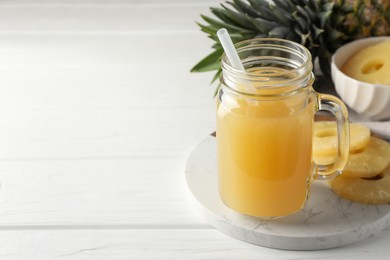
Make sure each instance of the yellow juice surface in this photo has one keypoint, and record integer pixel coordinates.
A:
(265, 153)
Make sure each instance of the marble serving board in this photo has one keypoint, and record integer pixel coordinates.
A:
(327, 221)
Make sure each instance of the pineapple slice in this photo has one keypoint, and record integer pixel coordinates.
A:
(325, 138)
(324, 159)
(369, 162)
(366, 163)
(371, 64)
(375, 190)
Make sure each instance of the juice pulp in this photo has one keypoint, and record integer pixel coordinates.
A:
(264, 153)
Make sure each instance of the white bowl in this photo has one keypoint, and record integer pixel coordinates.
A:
(372, 101)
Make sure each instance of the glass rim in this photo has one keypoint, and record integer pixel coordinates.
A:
(299, 50)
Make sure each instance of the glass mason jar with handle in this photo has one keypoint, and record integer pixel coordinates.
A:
(265, 118)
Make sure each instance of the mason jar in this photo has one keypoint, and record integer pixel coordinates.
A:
(265, 119)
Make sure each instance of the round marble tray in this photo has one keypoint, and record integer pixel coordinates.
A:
(326, 222)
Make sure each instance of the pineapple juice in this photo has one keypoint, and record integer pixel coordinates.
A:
(264, 153)
(265, 120)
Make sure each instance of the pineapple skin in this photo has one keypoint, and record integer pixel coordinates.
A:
(364, 18)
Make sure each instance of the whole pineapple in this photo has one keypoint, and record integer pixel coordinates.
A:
(320, 25)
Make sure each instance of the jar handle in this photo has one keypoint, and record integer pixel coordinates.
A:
(335, 106)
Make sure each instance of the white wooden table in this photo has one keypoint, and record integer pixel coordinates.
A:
(98, 113)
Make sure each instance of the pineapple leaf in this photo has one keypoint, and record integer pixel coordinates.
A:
(324, 16)
(325, 66)
(231, 17)
(262, 25)
(279, 31)
(210, 62)
(221, 14)
(334, 35)
(302, 23)
(310, 13)
(216, 76)
(217, 89)
(264, 7)
(207, 29)
(282, 4)
(316, 5)
(303, 12)
(317, 31)
(292, 37)
(243, 7)
(282, 17)
(328, 7)
(238, 18)
(217, 24)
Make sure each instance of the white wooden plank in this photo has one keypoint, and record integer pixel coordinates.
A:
(127, 192)
(104, 134)
(85, 111)
(99, 67)
(118, 103)
(168, 87)
(102, 113)
(104, 2)
(100, 72)
(165, 244)
(91, 51)
(130, 17)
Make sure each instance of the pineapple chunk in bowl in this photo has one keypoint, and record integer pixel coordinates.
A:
(371, 100)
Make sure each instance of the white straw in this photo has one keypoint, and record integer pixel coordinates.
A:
(229, 49)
